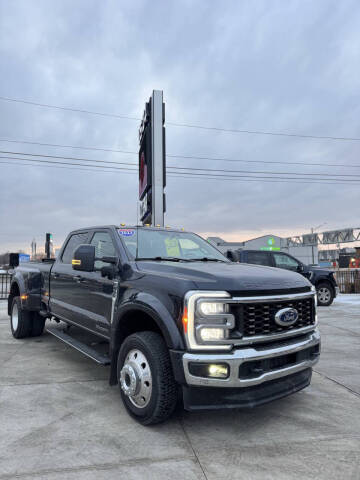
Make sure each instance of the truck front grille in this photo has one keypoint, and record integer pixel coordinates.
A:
(259, 318)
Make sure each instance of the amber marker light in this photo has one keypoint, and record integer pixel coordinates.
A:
(185, 320)
(24, 297)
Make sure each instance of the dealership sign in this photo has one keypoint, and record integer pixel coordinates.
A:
(152, 170)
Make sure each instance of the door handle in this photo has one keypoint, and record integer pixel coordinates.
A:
(78, 278)
(55, 275)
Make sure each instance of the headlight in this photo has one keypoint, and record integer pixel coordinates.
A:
(212, 334)
(211, 308)
(207, 321)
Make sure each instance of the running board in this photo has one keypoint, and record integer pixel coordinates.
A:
(81, 347)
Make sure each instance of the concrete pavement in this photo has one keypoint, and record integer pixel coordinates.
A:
(59, 419)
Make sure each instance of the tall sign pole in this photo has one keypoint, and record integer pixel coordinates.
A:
(158, 156)
(152, 168)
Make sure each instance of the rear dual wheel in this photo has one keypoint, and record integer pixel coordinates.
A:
(146, 379)
(24, 323)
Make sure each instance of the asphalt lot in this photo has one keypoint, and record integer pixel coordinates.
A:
(59, 419)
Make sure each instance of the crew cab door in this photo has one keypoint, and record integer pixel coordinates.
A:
(282, 260)
(95, 299)
(65, 285)
(258, 258)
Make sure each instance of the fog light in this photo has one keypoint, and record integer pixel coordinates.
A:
(212, 334)
(209, 370)
(218, 371)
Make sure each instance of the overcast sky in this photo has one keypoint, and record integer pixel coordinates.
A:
(280, 66)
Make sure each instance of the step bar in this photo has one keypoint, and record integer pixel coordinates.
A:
(79, 346)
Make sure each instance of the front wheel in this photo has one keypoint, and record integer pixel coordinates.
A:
(145, 377)
(325, 295)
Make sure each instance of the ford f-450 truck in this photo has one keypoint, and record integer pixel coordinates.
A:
(176, 316)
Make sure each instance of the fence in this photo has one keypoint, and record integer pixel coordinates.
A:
(348, 280)
(5, 279)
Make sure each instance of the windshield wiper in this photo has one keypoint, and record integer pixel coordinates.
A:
(207, 259)
(165, 259)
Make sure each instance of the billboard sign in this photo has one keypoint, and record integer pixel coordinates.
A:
(145, 152)
(145, 208)
(271, 245)
(152, 168)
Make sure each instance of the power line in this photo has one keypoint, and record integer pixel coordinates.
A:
(173, 175)
(179, 168)
(260, 132)
(222, 159)
(57, 145)
(70, 163)
(217, 176)
(70, 109)
(80, 159)
(184, 125)
(64, 168)
(185, 157)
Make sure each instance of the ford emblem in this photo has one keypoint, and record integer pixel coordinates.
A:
(286, 317)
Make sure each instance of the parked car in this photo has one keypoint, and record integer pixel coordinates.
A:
(177, 317)
(323, 279)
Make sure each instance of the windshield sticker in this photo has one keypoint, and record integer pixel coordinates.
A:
(127, 232)
(172, 247)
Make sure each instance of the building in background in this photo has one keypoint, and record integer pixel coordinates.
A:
(305, 253)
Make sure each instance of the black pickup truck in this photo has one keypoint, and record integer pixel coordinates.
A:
(324, 280)
(178, 318)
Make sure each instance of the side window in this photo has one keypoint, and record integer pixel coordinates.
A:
(73, 242)
(104, 247)
(259, 258)
(284, 261)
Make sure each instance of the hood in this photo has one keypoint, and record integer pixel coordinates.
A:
(226, 276)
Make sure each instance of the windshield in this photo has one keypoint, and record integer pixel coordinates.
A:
(144, 243)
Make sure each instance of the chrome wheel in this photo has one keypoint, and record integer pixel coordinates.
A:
(324, 295)
(15, 317)
(135, 378)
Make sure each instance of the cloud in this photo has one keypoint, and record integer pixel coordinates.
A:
(262, 65)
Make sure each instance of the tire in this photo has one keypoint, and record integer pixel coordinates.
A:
(38, 324)
(146, 379)
(20, 320)
(325, 294)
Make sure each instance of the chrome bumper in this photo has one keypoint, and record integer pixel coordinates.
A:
(239, 356)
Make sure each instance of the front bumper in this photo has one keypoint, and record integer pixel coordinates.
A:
(257, 374)
(290, 356)
(337, 291)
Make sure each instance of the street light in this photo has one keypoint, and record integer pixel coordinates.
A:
(312, 246)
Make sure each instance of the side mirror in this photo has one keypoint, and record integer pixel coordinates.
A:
(233, 255)
(84, 258)
(14, 260)
(300, 268)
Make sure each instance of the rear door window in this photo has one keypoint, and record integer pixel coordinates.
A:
(259, 258)
(74, 241)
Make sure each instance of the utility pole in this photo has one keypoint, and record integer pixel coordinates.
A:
(312, 249)
(33, 249)
(312, 246)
